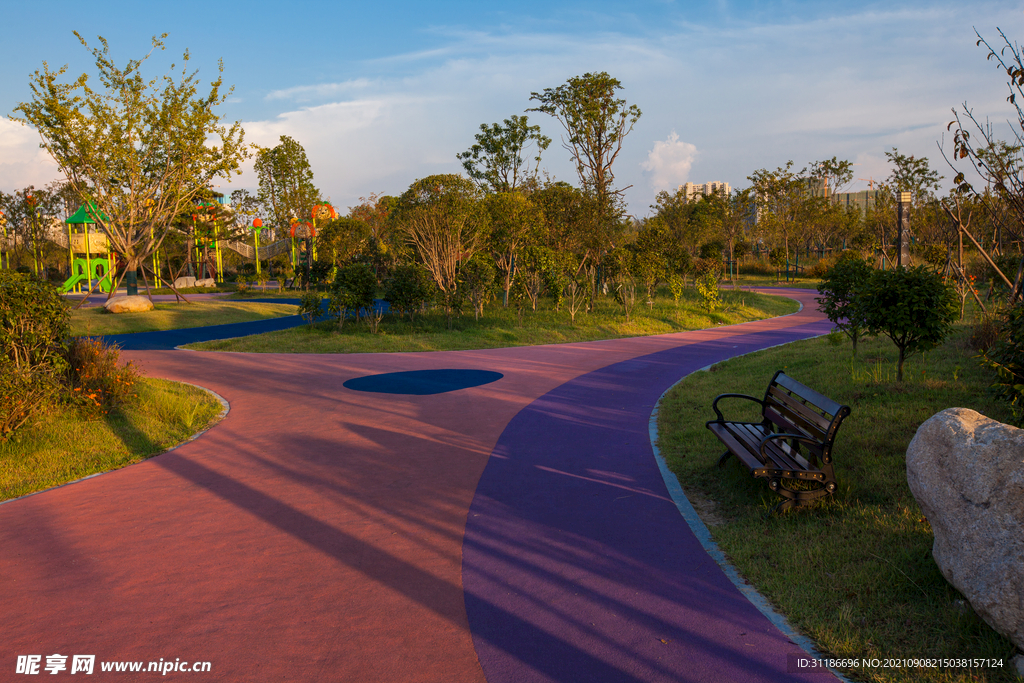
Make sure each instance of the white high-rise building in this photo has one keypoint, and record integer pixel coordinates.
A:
(692, 191)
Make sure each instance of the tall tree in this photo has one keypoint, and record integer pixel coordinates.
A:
(286, 182)
(836, 173)
(781, 200)
(140, 149)
(496, 160)
(443, 218)
(596, 124)
(912, 174)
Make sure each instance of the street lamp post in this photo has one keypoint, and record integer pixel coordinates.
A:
(903, 230)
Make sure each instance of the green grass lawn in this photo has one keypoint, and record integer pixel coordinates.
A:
(172, 316)
(855, 574)
(500, 327)
(63, 446)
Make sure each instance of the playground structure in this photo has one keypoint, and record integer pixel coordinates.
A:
(94, 264)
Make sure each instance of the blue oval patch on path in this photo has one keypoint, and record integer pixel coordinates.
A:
(422, 382)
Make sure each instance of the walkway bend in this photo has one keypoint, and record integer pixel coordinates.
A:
(515, 530)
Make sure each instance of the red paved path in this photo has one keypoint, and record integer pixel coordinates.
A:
(313, 535)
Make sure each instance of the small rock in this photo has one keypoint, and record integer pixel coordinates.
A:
(184, 282)
(1018, 662)
(967, 473)
(128, 304)
(207, 282)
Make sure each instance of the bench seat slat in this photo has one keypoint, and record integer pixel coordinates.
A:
(735, 445)
(748, 437)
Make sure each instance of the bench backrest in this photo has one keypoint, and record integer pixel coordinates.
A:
(797, 409)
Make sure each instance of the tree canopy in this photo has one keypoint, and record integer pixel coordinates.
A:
(286, 182)
(496, 160)
(140, 149)
(596, 124)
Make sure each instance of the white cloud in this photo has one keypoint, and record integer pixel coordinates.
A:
(669, 162)
(22, 162)
(322, 90)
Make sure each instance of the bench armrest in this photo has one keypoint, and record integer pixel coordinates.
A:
(714, 406)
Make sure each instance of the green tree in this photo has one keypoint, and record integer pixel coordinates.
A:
(340, 240)
(409, 287)
(835, 174)
(619, 266)
(477, 277)
(354, 289)
(535, 263)
(912, 174)
(286, 183)
(596, 124)
(839, 299)
(140, 149)
(443, 217)
(782, 197)
(676, 212)
(1006, 357)
(496, 160)
(515, 222)
(650, 263)
(911, 306)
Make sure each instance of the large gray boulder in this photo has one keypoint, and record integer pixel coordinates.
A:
(967, 473)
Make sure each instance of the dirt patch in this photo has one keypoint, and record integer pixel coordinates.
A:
(709, 511)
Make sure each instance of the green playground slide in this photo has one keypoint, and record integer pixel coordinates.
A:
(83, 279)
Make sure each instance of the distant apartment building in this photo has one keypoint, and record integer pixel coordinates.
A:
(693, 191)
(862, 201)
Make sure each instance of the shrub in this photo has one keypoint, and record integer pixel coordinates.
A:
(356, 285)
(33, 326)
(34, 323)
(707, 288)
(1006, 357)
(409, 287)
(309, 307)
(97, 382)
(820, 269)
(22, 395)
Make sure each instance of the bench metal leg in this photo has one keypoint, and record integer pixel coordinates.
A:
(723, 458)
(793, 498)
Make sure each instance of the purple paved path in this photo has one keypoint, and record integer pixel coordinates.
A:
(577, 565)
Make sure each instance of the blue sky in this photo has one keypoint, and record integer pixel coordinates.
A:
(381, 94)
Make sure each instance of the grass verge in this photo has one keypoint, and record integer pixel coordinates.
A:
(855, 573)
(63, 446)
(501, 327)
(173, 316)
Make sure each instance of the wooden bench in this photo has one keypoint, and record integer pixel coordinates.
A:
(793, 441)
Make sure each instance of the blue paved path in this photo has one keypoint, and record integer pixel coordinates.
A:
(169, 339)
